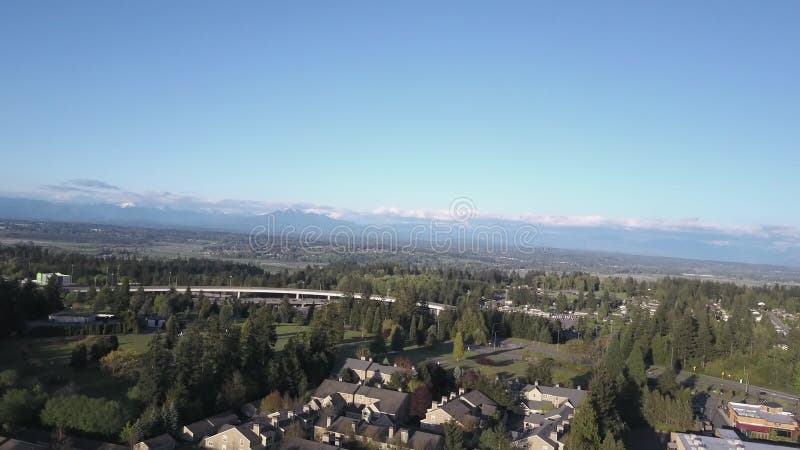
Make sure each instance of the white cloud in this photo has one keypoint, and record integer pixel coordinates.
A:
(84, 190)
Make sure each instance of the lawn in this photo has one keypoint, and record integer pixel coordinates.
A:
(47, 360)
(504, 361)
(284, 331)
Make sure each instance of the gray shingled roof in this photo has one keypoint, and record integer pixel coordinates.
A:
(389, 401)
(329, 387)
(420, 440)
(357, 364)
(457, 409)
(575, 396)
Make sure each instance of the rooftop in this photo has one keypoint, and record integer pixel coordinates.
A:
(760, 412)
(389, 401)
(715, 443)
(575, 396)
(329, 387)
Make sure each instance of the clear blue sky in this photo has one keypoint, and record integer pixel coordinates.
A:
(637, 109)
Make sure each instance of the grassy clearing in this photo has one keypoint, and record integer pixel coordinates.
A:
(47, 360)
(505, 362)
(284, 331)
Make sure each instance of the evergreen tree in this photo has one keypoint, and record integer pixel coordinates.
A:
(458, 347)
(635, 365)
(378, 345)
(584, 433)
(79, 357)
(603, 398)
(609, 443)
(398, 340)
(172, 331)
(453, 436)
(541, 372)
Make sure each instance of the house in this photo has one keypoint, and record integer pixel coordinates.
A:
(155, 321)
(207, 427)
(544, 431)
(7, 443)
(758, 421)
(469, 410)
(279, 421)
(548, 411)
(546, 437)
(556, 395)
(61, 279)
(243, 437)
(329, 387)
(343, 429)
(72, 317)
(383, 373)
(35, 439)
(528, 407)
(160, 442)
(372, 401)
(383, 402)
(686, 441)
(358, 366)
(367, 371)
(302, 444)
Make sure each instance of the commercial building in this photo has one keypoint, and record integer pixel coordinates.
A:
(72, 317)
(685, 441)
(762, 421)
(61, 279)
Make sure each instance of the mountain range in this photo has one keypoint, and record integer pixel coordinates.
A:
(764, 247)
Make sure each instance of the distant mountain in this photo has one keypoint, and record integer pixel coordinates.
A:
(127, 214)
(684, 243)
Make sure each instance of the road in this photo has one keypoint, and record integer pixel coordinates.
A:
(776, 321)
(299, 294)
(691, 378)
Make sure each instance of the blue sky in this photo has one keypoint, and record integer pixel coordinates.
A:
(670, 111)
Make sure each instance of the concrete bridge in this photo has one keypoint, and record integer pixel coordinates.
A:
(303, 296)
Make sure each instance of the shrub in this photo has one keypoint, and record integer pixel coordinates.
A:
(81, 413)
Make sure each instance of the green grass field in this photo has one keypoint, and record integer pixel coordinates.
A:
(47, 360)
(506, 362)
(287, 330)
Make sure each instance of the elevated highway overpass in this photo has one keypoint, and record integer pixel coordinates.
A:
(301, 296)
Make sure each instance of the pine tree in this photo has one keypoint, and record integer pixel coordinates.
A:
(603, 397)
(796, 381)
(584, 434)
(246, 349)
(453, 436)
(458, 347)
(378, 345)
(705, 338)
(172, 332)
(635, 365)
(609, 443)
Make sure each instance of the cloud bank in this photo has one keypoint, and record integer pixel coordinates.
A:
(97, 191)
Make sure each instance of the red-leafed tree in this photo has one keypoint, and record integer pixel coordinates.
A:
(404, 362)
(421, 400)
